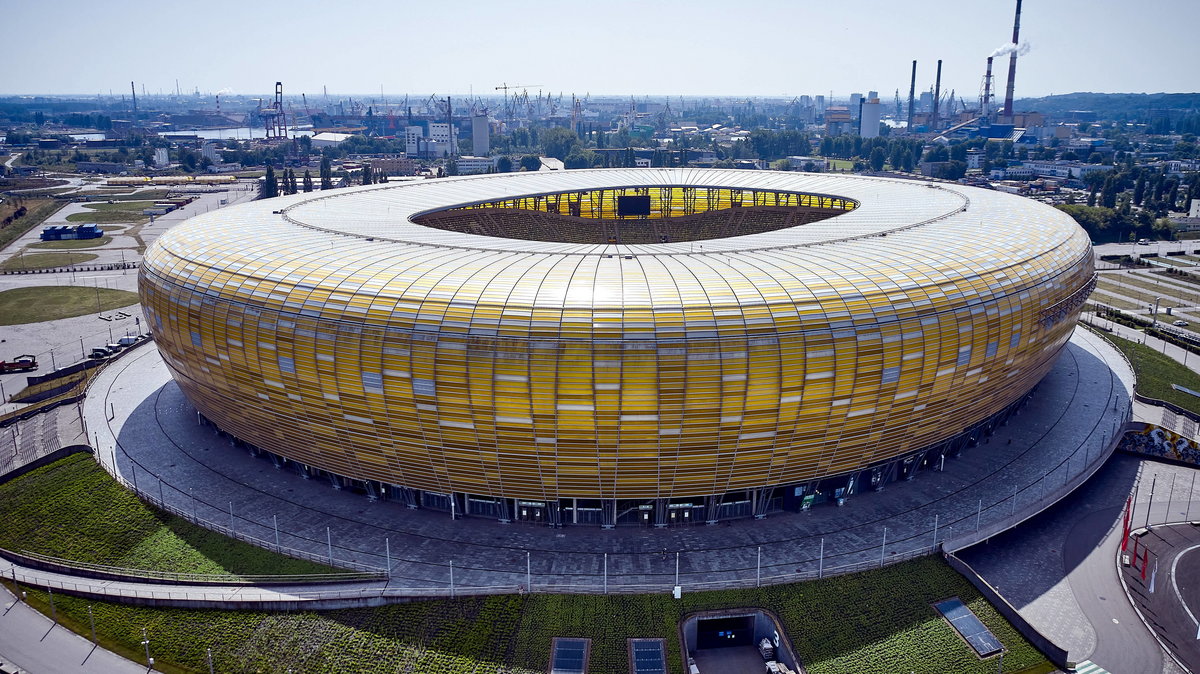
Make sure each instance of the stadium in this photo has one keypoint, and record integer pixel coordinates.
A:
(619, 346)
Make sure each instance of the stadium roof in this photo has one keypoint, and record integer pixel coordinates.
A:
(904, 240)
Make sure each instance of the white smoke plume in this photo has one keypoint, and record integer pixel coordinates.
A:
(225, 92)
(1021, 49)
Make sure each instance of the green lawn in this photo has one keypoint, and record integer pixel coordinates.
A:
(68, 244)
(72, 509)
(50, 303)
(38, 211)
(106, 217)
(135, 206)
(46, 260)
(112, 228)
(877, 621)
(1156, 372)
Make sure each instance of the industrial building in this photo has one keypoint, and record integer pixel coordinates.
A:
(609, 347)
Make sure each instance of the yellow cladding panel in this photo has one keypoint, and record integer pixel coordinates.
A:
(545, 375)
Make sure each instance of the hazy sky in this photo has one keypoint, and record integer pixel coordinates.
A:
(698, 47)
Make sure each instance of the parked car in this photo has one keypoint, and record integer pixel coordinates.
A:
(99, 352)
(1180, 323)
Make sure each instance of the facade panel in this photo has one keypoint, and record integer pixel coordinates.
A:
(334, 331)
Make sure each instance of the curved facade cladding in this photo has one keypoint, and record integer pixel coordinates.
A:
(332, 330)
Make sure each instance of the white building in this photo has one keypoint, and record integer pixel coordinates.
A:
(329, 139)
(210, 152)
(439, 142)
(872, 111)
(798, 163)
(161, 157)
(481, 138)
(469, 165)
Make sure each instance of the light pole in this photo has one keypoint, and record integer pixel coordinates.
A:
(146, 643)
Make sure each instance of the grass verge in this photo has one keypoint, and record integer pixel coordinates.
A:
(45, 260)
(1156, 372)
(135, 206)
(108, 217)
(877, 621)
(49, 303)
(68, 244)
(72, 509)
(37, 212)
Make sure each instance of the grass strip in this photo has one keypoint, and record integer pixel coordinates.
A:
(45, 260)
(876, 621)
(131, 206)
(49, 303)
(108, 217)
(1156, 372)
(38, 211)
(68, 244)
(72, 509)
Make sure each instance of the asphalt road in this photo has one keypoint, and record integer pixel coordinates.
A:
(1173, 609)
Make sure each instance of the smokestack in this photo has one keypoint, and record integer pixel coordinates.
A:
(1012, 64)
(937, 94)
(985, 108)
(912, 92)
(133, 92)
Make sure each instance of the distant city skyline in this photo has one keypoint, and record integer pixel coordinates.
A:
(768, 48)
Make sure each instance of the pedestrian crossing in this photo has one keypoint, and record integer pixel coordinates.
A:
(1089, 667)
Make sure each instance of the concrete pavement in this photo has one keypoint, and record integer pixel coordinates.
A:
(148, 433)
(36, 645)
(1058, 569)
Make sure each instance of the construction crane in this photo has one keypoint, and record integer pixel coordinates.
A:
(505, 86)
(306, 111)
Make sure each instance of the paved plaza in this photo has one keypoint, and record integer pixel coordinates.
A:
(144, 427)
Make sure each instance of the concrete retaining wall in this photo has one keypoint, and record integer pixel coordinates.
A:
(1056, 653)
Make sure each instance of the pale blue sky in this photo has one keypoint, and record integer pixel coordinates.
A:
(747, 47)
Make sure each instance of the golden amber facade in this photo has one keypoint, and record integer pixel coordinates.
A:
(334, 331)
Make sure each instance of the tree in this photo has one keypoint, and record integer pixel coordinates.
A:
(308, 183)
(531, 162)
(877, 159)
(326, 174)
(937, 153)
(270, 186)
(366, 174)
(558, 142)
(579, 158)
(504, 165)
(1139, 189)
(1108, 192)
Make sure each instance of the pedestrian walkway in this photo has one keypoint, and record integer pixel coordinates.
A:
(1089, 667)
(148, 435)
(1058, 569)
(26, 441)
(35, 644)
(281, 596)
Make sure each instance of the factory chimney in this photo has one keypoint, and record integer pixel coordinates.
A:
(985, 107)
(1012, 64)
(133, 92)
(912, 92)
(937, 94)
